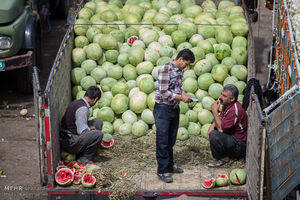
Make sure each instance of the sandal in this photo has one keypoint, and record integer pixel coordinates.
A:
(217, 163)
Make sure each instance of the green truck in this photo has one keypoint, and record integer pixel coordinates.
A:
(20, 36)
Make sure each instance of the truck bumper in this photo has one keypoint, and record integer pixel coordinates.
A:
(16, 62)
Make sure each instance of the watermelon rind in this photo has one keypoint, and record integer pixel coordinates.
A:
(209, 184)
(88, 177)
(222, 182)
(108, 144)
(91, 167)
(238, 176)
(62, 173)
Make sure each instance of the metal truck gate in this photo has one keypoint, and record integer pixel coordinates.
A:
(282, 116)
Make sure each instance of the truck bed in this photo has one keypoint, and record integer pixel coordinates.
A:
(130, 165)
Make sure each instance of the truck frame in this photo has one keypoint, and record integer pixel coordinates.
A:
(51, 104)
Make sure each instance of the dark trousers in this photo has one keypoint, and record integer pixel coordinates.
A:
(84, 145)
(224, 145)
(166, 122)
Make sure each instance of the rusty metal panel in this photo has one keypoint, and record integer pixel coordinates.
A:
(253, 161)
(283, 127)
(254, 164)
(40, 138)
(58, 93)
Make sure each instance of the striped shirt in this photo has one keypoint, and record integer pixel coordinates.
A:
(234, 121)
(168, 84)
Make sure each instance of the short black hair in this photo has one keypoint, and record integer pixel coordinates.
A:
(234, 91)
(93, 92)
(187, 55)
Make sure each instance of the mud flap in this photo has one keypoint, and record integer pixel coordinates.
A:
(39, 115)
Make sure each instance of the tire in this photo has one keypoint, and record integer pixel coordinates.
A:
(24, 75)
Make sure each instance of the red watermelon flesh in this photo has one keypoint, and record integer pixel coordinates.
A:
(223, 176)
(107, 144)
(77, 179)
(132, 39)
(88, 180)
(209, 184)
(64, 176)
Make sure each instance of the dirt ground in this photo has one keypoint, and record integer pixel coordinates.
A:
(18, 149)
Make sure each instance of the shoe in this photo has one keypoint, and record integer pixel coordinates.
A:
(217, 163)
(177, 170)
(84, 161)
(166, 177)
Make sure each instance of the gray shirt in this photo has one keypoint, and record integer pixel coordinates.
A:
(82, 116)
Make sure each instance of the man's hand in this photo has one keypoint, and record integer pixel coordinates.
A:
(215, 106)
(186, 98)
(93, 128)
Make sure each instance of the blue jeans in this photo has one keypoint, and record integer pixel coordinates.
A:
(166, 122)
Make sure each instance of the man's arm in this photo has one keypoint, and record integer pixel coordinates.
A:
(81, 116)
(211, 128)
(215, 106)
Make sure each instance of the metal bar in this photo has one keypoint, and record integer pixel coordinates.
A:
(254, 96)
(271, 49)
(19, 61)
(37, 81)
(283, 97)
(262, 164)
(152, 24)
(292, 37)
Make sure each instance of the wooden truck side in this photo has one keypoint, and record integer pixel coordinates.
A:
(52, 103)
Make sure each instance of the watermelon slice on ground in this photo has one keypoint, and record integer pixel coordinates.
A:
(209, 184)
(107, 141)
(88, 180)
(64, 176)
(77, 179)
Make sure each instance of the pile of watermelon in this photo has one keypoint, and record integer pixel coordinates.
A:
(120, 49)
(237, 177)
(68, 172)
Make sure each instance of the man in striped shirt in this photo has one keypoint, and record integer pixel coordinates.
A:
(228, 133)
(166, 112)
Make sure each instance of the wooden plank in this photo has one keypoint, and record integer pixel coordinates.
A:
(253, 164)
(276, 117)
(284, 143)
(59, 97)
(190, 180)
(283, 166)
(286, 187)
(283, 127)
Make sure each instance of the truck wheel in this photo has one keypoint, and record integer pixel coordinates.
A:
(24, 75)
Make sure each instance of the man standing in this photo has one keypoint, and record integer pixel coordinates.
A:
(228, 132)
(78, 135)
(166, 112)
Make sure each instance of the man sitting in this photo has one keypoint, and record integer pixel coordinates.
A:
(228, 133)
(79, 135)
